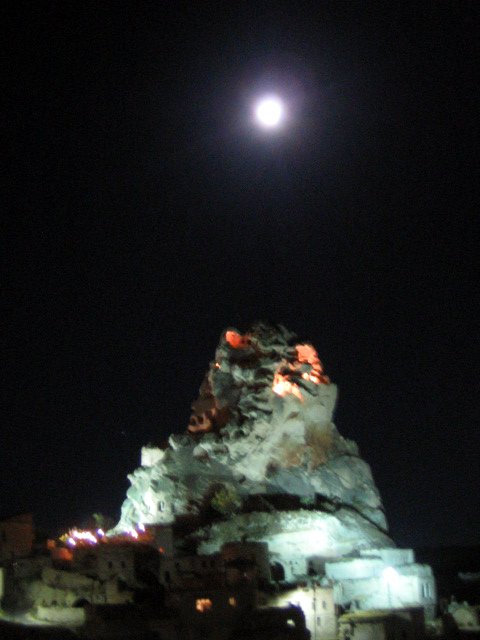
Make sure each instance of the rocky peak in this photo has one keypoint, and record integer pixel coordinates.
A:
(261, 428)
(238, 386)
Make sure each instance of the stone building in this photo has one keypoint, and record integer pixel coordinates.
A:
(177, 572)
(60, 596)
(132, 563)
(382, 579)
(212, 613)
(406, 624)
(318, 606)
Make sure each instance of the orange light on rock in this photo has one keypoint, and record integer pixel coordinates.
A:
(200, 423)
(306, 354)
(61, 554)
(282, 387)
(237, 341)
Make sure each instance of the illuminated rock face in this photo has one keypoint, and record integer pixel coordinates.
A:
(261, 439)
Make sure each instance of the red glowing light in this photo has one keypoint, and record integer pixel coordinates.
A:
(306, 355)
(237, 341)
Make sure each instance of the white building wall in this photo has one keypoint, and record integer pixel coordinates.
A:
(354, 569)
(295, 567)
(318, 606)
(159, 506)
(373, 584)
(61, 615)
(392, 557)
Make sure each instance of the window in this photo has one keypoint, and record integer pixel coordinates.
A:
(232, 601)
(203, 604)
(324, 604)
(319, 620)
(110, 564)
(161, 505)
(122, 586)
(277, 571)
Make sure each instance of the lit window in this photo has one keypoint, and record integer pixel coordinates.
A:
(203, 604)
(232, 601)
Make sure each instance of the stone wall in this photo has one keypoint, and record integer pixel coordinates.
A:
(372, 584)
(65, 616)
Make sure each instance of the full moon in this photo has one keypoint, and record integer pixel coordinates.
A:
(269, 112)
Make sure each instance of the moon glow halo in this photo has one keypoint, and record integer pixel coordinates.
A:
(269, 112)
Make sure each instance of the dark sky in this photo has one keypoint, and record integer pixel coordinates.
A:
(146, 213)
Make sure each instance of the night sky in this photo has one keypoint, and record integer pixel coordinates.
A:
(146, 213)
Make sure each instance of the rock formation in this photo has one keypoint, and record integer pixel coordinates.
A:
(261, 457)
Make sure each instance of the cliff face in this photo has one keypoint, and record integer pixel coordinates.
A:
(260, 433)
